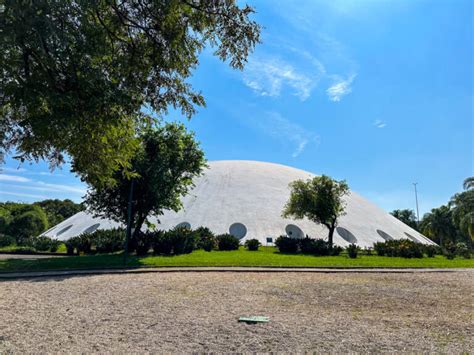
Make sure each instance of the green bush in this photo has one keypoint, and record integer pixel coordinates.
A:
(6, 240)
(162, 243)
(227, 242)
(321, 247)
(252, 244)
(336, 250)
(368, 251)
(286, 244)
(352, 251)
(108, 240)
(179, 240)
(80, 244)
(143, 242)
(44, 244)
(399, 248)
(28, 221)
(205, 239)
(449, 250)
(463, 250)
(307, 245)
(431, 250)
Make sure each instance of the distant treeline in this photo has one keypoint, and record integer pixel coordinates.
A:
(24, 220)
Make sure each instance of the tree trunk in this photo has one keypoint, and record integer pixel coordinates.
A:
(331, 233)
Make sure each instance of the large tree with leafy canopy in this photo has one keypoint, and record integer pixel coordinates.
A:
(319, 199)
(75, 76)
(165, 164)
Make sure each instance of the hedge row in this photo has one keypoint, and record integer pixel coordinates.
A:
(179, 240)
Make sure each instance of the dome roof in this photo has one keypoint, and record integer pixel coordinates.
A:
(246, 199)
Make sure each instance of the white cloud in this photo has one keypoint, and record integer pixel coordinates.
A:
(268, 76)
(14, 178)
(23, 195)
(340, 88)
(63, 188)
(29, 184)
(379, 124)
(12, 170)
(277, 126)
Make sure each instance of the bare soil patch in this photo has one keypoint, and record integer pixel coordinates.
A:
(195, 312)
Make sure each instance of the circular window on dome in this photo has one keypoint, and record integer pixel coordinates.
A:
(64, 230)
(92, 228)
(412, 238)
(384, 235)
(186, 225)
(346, 235)
(238, 230)
(293, 231)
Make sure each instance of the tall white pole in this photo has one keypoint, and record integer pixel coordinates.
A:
(416, 199)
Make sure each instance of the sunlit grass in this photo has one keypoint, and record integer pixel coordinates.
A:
(266, 256)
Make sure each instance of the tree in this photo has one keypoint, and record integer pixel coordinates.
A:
(438, 225)
(58, 210)
(462, 205)
(469, 183)
(319, 199)
(406, 216)
(76, 75)
(27, 221)
(165, 165)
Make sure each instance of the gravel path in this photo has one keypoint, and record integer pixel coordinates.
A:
(176, 312)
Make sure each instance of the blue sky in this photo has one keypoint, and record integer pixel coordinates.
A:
(375, 92)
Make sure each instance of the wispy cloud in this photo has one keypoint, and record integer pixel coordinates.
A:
(12, 170)
(340, 87)
(63, 188)
(23, 183)
(268, 76)
(14, 178)
(279, 127)
(379, 124)
(19, 194)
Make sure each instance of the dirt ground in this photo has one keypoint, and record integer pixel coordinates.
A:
(196, 312)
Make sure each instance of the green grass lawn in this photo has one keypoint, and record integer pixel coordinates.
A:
(266, 256)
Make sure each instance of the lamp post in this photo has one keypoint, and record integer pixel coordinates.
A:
(129, 222)
(416, 199)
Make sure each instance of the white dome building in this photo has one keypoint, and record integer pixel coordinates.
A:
(246, 199)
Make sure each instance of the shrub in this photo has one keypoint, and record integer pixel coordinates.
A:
(286, 244)
(252, 244)
(380, 248)
(81, 244)
(307, 245)
(6, 240)
(183, 240)
(321, 247)
(108, 241)
(463, 250)
(336, 250)
(449, 250)
(143, 242)
(205, 239)
(431, 250)
(176, 241)
(352, 251)
(29, 222)
(42, 243)
(399, 248)
(227, 242)
(368, 251)
(161, 243)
